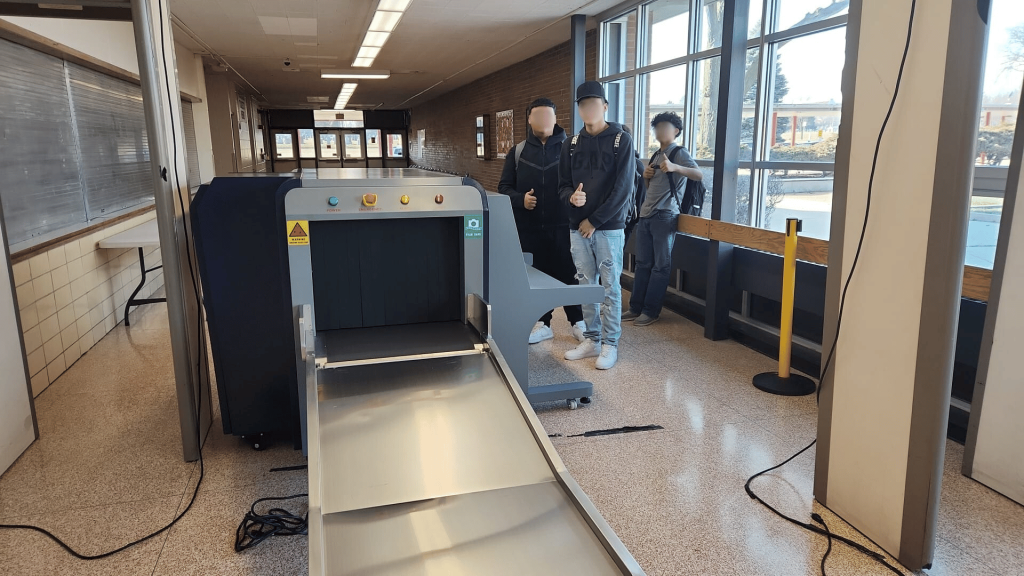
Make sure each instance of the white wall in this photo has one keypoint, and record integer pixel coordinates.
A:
(111, 42)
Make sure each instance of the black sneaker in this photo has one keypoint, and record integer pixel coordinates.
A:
(644, 320)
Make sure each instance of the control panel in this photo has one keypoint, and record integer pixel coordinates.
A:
(381, 202)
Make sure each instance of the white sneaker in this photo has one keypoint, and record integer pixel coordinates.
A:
(609, 356)
(586, 349)
(578, 329)
(541, 333)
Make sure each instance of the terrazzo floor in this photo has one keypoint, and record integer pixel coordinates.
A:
(107, 469)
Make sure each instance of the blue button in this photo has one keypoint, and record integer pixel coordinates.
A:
(333, 200)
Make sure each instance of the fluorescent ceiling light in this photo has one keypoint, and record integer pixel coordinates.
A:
(360, 74)
(363, 62)
(368, 52)
(385, 21)
(394, 5)
(375, 38)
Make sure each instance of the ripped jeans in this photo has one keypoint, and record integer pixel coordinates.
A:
(599, 259)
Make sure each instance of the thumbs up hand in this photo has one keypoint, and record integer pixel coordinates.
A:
(530, 200)
(579, 197)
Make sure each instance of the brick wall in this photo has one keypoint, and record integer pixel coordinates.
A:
(450, 119)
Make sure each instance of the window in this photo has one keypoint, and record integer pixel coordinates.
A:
(706, 121)
(667, 30)
(328, 146)
(806, 102)
(284, 146)
(666, 92)
(792, 98)
(711, 31)
(395, 146)
(621, 97)
(1000, 98)
(307, 147)
(373, 149)
(353, 146)
(793, 13)
(618, 45)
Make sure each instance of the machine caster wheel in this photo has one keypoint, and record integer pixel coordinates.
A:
(572, 404)
(257, 441)
(585, 400)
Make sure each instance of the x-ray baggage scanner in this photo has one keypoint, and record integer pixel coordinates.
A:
(425, 455)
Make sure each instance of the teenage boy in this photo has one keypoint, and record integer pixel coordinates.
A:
(666, 178)
(596, 180)
(530, 178)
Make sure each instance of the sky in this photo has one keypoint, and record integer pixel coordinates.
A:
(814, 64)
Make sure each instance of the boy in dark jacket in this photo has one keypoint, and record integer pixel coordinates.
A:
(596, 179)
(530, 178)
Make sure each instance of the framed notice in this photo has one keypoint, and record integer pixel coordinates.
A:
(505, 132)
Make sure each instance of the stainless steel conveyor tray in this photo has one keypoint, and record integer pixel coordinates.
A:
(431, 462)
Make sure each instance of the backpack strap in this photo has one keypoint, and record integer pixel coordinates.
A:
(673, 185)
(519, 153)
(618, 138)
(572, 143)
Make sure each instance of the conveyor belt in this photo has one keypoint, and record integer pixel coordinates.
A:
(436, 465)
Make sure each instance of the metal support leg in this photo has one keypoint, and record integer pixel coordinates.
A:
(142, 282)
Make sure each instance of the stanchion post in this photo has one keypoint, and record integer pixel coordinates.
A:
(783, 382)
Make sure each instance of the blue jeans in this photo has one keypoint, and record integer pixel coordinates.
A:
(655, 236)
(599, 259)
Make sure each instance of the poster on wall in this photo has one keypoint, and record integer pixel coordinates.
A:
(505, 132)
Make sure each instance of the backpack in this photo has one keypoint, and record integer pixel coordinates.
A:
(519, 153)
(692, 201)
(636, 199)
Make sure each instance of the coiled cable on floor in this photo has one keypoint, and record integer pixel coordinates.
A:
(878, 557)
(256, 527)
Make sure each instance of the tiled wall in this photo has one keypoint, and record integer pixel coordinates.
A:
(449, 120)
(71, 296)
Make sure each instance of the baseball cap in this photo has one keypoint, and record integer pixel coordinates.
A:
(590, 89)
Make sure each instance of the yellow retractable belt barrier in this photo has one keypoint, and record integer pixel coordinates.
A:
(784, 382)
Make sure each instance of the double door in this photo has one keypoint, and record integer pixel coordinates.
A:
(340, 148)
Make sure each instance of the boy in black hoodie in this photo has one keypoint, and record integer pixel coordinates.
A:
(530, 179)
(596, 177)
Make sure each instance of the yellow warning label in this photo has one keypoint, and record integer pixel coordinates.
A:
(298, 232)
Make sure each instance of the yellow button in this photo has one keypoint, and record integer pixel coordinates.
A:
(405, 199)
(369, 199)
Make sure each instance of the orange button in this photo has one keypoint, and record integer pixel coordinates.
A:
(369, 199)
(439, 198)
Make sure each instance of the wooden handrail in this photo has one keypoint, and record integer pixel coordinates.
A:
(976, 283)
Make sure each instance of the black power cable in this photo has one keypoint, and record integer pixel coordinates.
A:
(256, 527)
(817, 518)
(880, 558)
(192, 273)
